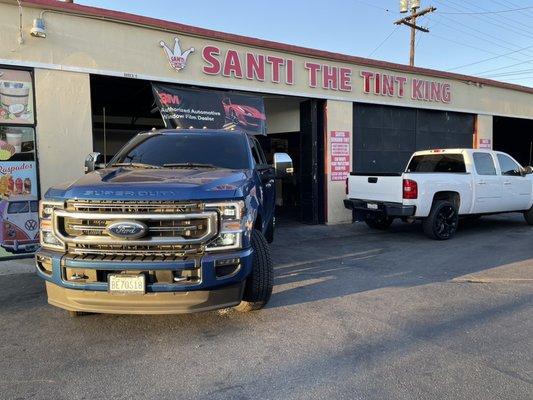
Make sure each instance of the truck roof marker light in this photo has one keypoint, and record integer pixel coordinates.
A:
(410, 189)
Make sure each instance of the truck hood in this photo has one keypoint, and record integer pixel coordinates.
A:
(155, 184)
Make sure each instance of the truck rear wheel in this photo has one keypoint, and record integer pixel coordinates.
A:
(441, 224)
(528, 216)
(381, 222)
(258, 287)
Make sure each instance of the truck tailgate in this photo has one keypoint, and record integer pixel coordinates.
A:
(379, 187)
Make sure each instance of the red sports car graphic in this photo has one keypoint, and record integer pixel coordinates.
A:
(243, 115)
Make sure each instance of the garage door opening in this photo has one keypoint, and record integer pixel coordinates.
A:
(123, 107)
(386, 136)
(515, 137)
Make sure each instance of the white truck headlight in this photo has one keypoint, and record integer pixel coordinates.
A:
(47, 238)
(232, 221)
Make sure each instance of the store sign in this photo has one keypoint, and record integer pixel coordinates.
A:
(340, 155)
(176, 58)
(380, 84)
(209, 109)
(262, 67)
(485, 144)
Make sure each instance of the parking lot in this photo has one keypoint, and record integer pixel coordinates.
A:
(355, 314)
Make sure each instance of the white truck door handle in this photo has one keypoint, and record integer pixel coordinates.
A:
(506, 183)
(482, 183)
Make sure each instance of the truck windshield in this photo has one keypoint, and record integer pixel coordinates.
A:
(437, 163)
(198, 149)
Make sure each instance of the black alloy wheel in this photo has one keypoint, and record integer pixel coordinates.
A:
(442, 222)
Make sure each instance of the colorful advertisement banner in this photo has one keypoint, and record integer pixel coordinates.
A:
(19, 227)
(340, 155)
(19, 222)
(16, 97)
(210, 109)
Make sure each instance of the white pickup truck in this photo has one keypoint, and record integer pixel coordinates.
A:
(438, 186)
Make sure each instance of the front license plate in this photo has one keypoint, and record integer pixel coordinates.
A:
(372, 206)
(126, 284)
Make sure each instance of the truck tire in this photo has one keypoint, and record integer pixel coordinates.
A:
(528, 216)
(269, 232)
(441, 224)
(258, 287)
(380, 222)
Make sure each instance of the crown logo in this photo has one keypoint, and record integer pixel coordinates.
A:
(176, 58)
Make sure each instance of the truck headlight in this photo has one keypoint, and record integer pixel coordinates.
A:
(47, 238)
(232, 224)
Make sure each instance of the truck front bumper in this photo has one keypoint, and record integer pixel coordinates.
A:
(211, 292)
(361, 209)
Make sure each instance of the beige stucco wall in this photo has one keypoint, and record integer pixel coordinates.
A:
(112, 48)
(64, 128)
(484, 130)
(339, 118)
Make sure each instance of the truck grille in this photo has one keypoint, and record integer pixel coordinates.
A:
(173, 230)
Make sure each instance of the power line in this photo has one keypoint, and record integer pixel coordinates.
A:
(494, 22)
(384, 40)
(489, 59)
(504, 67)
(487, 12)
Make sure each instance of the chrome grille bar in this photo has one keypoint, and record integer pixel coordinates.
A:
(59, 217)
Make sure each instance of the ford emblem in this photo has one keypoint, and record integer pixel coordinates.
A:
(127, 229)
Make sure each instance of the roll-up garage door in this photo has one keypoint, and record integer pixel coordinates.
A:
(385, 136)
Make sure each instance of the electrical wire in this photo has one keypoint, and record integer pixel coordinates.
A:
(489, 59)
(384, 40)
(487, 12)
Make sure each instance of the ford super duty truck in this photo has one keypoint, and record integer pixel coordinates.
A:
(438, 186)
(178, 221)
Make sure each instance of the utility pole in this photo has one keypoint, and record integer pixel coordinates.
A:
(410, 21)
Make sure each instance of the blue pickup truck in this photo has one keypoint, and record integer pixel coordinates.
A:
(178, 221)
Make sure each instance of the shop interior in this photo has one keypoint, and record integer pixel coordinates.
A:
(515, 137)
(123, 107)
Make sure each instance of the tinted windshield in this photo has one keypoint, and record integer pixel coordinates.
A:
(224, 150)
(437, 163)
(18, 207)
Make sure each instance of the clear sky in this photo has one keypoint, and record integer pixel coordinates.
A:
(489, 38)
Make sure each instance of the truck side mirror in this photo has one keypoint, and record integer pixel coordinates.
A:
(283, 165)
(93, 161)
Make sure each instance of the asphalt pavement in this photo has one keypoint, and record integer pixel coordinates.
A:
(355, 314)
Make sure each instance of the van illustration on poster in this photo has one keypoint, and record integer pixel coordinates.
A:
(19, 229)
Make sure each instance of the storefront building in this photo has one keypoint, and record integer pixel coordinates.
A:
(87, 86)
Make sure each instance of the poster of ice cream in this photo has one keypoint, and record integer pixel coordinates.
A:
(16, 97)
(19, 227)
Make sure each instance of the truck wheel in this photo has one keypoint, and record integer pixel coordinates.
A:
(258, 287)
(441, 224)
(380, 222)
(269, 233)
(528, 215)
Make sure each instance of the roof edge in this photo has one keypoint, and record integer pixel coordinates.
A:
(120, 16)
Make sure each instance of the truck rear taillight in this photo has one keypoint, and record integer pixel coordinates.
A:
(410, 189)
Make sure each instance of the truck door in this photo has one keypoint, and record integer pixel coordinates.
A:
(516, 188)
(487, 185)
(266, 176)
